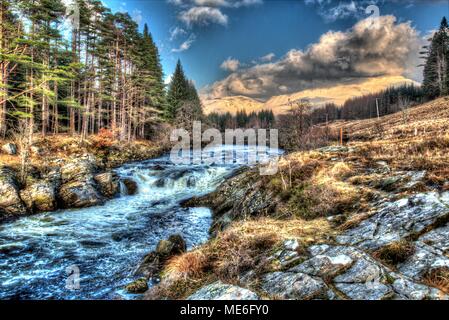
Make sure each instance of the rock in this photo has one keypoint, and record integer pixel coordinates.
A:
(174, 245)
(78, 169)
(362, 271)
(152, 263)
(137, 286)
(410, 290)
(363, 291)
(324, 265)
(298, 286)
(221, 291)
(9, 148)
(10, 202)
(131, 186)
(424, 259)
(289, 254)
(79, 194)
(396, 220)
(39, 196)
(108, 183)
(150, 266)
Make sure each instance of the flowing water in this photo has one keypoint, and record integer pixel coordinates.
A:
(39, 253)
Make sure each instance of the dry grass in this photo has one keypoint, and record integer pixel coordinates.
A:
(246, 245)
(395, 253)
(438, 278)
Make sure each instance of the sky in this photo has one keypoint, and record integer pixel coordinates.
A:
(264, 48)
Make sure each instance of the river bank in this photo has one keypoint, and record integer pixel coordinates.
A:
(64, 172)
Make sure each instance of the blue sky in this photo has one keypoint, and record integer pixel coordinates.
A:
(211, 31)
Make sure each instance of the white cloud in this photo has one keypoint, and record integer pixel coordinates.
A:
(176, 32)
(268, 57)
(230, 64)
(203, 16)
(364, 51)
(186, 44)
(205, 12)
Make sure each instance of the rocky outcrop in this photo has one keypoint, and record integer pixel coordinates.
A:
(39, 196)
(153, 262)
(406, 217)
(9, 148)
(10, 202)
(242, 195)
(221, 291)
(79, 188)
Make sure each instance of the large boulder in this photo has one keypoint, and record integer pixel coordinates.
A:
(221, 291)
(131, 186)
(39, 196)
(10, 202)
(9, 148)
(79, 194)
(108, 183)
(79, 169)
(153, 262)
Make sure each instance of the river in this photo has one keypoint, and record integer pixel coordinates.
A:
(105, 243)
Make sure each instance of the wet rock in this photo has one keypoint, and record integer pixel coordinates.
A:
(108, 183)
(221, 291)
(10, 202)
(398, 219)
(174, 245)
(363, 291)
(79, 194)
(137, 286)
(39, 196)
(288, 285)
(131, 186)
(9, 148)
(153, 262)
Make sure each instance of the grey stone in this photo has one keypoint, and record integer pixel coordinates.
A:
(297, 286)
(324, 265)
(362, 291)
(398, 219)
(221, 291)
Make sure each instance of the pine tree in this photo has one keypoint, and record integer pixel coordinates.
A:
(178, 91)
(436, 70)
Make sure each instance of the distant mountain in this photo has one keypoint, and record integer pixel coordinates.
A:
(232, 105)
(280, 104)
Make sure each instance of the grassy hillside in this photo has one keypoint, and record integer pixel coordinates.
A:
(333, 196)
